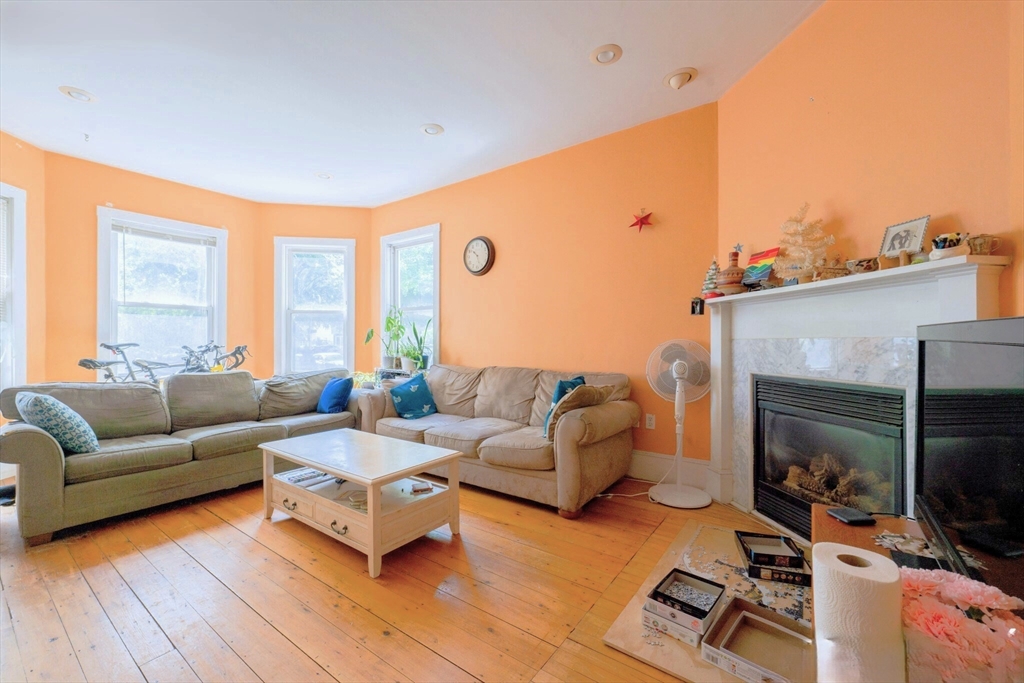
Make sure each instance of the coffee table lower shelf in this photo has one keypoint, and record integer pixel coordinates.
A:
(393, 516)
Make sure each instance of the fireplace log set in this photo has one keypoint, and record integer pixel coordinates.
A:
(828, 481)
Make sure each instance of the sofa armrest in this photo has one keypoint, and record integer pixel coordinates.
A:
(353, 406)
(600, 422)
(593, 449)
(372, 406)
(40, 462)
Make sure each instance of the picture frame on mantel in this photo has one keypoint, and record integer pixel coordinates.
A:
(908, 237)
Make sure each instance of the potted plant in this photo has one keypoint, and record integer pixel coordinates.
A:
(410, 356)
(394, 330)
(419, 341)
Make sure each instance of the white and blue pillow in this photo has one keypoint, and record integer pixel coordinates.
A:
(563, 387)
(413, 399)
(69, 428)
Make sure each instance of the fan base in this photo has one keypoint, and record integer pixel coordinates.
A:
(679, 496)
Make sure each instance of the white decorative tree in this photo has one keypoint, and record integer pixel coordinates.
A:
(711, 279)
(803, 247)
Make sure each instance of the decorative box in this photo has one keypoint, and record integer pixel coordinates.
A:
(766, 550)
(798, 577)
(757, 645)
(687, 600)
(669, 627)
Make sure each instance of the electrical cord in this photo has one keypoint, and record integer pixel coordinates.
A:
(642, 493)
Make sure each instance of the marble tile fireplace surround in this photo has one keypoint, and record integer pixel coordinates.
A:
(860, 329)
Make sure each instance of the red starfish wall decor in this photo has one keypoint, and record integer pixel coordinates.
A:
(641, 220)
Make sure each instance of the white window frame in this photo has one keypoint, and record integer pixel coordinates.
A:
(19, 278)
(389, 276)
(106, 268)
(283, 248)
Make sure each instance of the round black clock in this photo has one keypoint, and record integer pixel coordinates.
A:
(479, 255)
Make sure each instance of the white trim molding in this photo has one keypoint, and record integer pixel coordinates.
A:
(283, 247)
(19, 277)
(106, 220)
(653, 466)
(388, 244)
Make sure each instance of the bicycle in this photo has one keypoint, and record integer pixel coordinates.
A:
(196, 360)
(107, 366)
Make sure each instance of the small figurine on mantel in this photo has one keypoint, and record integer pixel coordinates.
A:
(708, 290)
(730, 280)
(803, 248)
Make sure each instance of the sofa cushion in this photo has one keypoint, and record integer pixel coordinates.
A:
(412, 430)
(311, 423)
(215, 441)
(211, 398)
(580, 397)
(562, 387)
(296, 393)
(506, 393)
(112, 410)
(546, 386)
(466, 436)
(334, 397)
(58, 420)
(454, 388)
(524, 449)
(127, 455)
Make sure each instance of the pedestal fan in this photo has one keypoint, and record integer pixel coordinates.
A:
(679, 370)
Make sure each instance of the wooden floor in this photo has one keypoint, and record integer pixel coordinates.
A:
(207, 590)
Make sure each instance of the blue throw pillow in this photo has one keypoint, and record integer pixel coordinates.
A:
(334, 397)
(413, 399)
(69, 428)
(563, 387)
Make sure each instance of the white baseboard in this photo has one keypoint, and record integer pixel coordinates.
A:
(7, 470)
(653, 466)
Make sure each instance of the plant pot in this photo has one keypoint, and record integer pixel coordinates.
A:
(409, 365)
(388, 362)
(425, 361)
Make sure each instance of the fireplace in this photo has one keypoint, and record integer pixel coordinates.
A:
(837, 443)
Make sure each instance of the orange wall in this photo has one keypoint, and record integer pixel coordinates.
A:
(572, 287)
(289, 220)
(23, 166)
(877, 113)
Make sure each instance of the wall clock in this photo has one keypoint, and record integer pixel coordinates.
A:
(479, 255)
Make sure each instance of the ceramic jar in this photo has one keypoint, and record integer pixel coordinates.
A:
(730, 279)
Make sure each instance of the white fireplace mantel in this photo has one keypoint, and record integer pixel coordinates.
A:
(857, 328)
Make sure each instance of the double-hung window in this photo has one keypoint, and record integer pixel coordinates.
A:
(13, 306)
(162, 285)
(409, 280)
(314, 300)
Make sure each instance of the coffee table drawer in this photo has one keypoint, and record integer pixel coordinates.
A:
(342, 523)
(298, 505)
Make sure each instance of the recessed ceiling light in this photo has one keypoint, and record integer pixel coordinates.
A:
(77, 94)
(324, 176)
(680, 77)
(606, 54)
(431, 129)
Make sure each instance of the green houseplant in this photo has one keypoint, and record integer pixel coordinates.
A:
(415, 349)
(391, 337)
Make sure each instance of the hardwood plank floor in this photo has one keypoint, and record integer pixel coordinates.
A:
(208, 590)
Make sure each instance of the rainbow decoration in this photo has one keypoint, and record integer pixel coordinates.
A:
(760, 266)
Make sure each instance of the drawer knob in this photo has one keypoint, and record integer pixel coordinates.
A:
(342, 531)
(289, 507)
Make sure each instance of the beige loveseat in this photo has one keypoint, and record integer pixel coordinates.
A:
(495, 417)
(197, 435)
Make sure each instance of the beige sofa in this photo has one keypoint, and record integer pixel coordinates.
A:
(495, 417)
(197, 435)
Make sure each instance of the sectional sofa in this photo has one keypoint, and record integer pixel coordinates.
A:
(495, 417)
(197, 435)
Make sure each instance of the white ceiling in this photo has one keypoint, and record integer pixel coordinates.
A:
(254, 98)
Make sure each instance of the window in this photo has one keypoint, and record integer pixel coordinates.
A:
(409, 280)
(13, 286)
(162, 285)
(314, 299)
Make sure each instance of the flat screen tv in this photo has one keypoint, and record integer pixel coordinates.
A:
(969, 476)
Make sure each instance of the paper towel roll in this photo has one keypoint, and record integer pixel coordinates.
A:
(858, 630)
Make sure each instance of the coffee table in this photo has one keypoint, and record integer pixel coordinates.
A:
(373, 509)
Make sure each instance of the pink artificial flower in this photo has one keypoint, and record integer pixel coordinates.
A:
(936, 619)
(922, 581)
(967, 593)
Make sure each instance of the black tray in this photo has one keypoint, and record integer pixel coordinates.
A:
(755, 548)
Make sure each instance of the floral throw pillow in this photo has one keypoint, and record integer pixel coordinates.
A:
(69, 428)
(413, 399)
